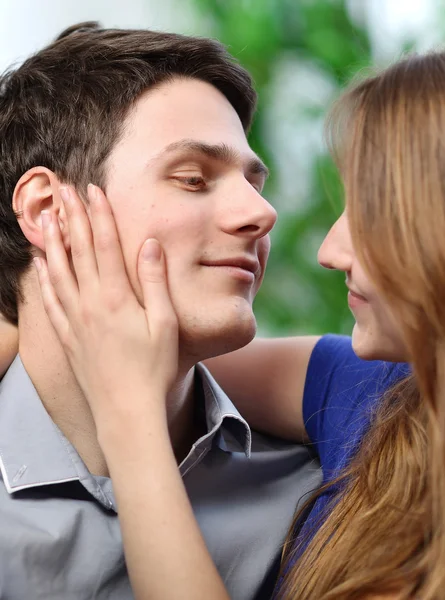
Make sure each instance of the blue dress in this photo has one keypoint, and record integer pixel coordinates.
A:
(341, 392)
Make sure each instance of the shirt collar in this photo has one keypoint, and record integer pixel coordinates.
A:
(222, 417)
(33, 450)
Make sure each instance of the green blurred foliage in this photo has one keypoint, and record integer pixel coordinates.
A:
(297, 294)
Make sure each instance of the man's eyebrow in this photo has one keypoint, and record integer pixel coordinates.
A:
(220, 152)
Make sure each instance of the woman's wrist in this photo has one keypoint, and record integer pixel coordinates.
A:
(142, 420)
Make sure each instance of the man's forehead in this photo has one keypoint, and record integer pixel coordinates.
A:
(186, 118)
(182, 109)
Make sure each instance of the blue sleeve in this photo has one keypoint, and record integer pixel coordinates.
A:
(341, 390)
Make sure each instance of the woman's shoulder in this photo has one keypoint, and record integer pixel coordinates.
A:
(341, 393)
(337, 376)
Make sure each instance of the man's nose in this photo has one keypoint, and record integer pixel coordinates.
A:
(336, 251)
(248, 213)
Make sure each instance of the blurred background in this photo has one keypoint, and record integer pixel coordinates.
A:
(301, 53)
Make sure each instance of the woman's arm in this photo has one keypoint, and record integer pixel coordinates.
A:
(166, 555)
(265, 380)
(119, 350)
(9, 344)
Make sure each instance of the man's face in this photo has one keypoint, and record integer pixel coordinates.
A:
(184, 173)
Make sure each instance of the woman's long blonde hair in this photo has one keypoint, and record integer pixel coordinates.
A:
(384, 532)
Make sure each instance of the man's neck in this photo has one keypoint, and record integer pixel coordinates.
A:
(183, 426)
(50, 372)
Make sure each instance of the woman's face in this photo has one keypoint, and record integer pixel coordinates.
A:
(375, 335)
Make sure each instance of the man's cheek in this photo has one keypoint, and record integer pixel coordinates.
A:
(264, 250)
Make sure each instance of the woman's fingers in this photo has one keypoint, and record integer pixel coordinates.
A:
(110, 261)
(152, 273)
(81, 239)
(50, 300)
(59, 273)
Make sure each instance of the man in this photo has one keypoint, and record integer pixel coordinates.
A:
(158, 121)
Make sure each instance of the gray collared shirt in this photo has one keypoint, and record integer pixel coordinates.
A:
(59, 530)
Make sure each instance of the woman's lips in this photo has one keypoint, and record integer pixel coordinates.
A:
(355, 300)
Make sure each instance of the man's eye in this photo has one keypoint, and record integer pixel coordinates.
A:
(196, 182)
(258, 185)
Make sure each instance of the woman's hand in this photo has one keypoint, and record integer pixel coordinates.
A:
(125, 359)
(9, 344)
(115, 346)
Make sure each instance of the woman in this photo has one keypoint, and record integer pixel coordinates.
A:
(377, 528)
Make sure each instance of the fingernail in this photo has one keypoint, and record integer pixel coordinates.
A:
(92, 192)
(37, 263)
(65, 195)
(46, 218)
(151, 251)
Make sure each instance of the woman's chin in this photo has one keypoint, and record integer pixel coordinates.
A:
(371, 344)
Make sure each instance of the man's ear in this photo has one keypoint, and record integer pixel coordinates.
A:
(37, 190)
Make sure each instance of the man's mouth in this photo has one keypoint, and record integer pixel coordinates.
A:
(242, 267)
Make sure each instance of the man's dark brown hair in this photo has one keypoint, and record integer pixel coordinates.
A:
(64, 109)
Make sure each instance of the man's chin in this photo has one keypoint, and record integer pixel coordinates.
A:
(207, 341)
(239, 337)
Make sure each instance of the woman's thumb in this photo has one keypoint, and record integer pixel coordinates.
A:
(152, 274)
